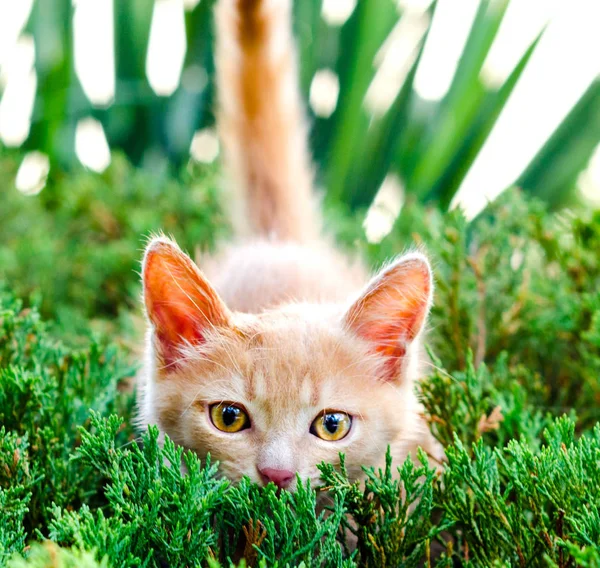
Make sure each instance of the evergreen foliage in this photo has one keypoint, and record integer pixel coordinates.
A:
(512, 393)
(49, 554)
(80, 239)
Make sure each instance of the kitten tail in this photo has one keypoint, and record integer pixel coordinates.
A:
(261, 121)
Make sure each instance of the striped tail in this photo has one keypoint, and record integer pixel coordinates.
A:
(261, 121)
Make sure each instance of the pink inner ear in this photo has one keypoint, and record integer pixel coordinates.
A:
(392, 310)
(179, 301)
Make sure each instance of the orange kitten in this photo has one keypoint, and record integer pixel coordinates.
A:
(281, 354)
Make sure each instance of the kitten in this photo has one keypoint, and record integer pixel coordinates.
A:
(280, 353)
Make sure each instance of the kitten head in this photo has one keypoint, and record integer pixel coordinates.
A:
(271, 395)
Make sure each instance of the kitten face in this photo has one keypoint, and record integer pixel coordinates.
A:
(283, 369)
(284, 372)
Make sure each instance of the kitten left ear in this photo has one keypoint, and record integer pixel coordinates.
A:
(392, 310)
(180, 302)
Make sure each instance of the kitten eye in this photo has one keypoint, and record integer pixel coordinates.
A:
(229, 417)
(331, 426)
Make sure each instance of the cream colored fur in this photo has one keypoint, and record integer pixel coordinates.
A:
(288, 325)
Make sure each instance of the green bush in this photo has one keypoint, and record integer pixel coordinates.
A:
(520, 503)
(515, 344)
(79, 241)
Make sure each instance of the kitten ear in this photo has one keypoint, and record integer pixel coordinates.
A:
(180, 302)
(392, 310)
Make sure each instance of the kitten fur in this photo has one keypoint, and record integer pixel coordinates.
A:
(279, 322)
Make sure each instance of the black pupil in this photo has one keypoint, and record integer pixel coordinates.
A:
(331, 422)
(230, 414)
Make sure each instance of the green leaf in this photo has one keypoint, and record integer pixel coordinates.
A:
(383, 139)
(361, 38)
(493, 104)
(553, 172)
(461, 105)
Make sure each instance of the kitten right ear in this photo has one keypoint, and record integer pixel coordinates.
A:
(392, 310)
(179, 301)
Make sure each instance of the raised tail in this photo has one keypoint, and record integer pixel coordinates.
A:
(261, 121)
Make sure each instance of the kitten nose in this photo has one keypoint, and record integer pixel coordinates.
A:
(280, 477)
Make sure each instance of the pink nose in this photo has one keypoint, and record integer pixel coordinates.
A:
(280, 477)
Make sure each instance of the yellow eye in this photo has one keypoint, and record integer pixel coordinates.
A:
(331, 426)
(229, 417)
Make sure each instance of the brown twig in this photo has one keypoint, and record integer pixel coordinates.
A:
(255, 533)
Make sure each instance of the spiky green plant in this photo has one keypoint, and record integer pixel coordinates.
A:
(430, 145)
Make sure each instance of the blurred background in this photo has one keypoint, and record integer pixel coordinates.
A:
(107, 122)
